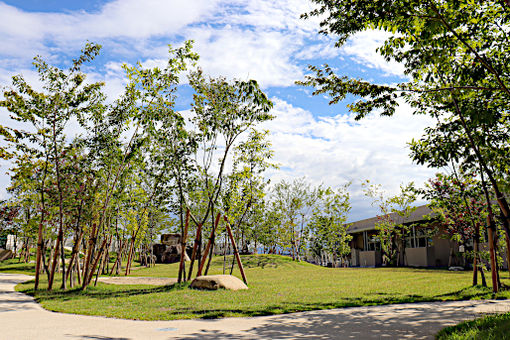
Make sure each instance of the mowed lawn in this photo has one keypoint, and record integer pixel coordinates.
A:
(277, 285)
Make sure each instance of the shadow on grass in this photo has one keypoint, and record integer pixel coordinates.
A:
(16, 268)
(102, 291)
(467, 293)
(105, 291)
(294, 307)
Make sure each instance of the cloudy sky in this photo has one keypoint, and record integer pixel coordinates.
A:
(246, 39)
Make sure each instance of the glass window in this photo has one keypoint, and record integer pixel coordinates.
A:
(422, 238)
(373, 243)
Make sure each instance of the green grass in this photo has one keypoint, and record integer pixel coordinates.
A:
(13, 266)
(493, 327)
(277, 285)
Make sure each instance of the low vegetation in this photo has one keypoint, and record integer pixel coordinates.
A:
(15, 266)
(277, 285)
(492, 327)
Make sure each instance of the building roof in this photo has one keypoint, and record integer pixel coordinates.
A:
(369, 223)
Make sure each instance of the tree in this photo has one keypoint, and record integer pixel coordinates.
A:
(454, 53)
(245, 190)
(222, 112)
(392, 224)
(295, 202)
(458, 200)
(64, 96)
(328, 226)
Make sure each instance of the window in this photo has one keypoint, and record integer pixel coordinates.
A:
(418, 238)
(373, 243)
(422, 238)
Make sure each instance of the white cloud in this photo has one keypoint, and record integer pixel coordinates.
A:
(264, 40)
(335, 150)
(238, 38)
(245, 54)
(126, 18)
(362, 47)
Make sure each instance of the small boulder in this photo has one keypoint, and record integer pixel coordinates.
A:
(6, 254)
(214, 282)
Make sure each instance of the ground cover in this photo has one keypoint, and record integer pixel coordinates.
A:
(14, 266)
(277, 285)
(492, 327)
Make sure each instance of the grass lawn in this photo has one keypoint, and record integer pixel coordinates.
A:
(493, 327)
(277, 285)
(13, 266)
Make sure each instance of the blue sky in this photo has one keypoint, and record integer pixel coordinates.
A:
(259, 39)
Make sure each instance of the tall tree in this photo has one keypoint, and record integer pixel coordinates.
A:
(454, 52)
(328, 223)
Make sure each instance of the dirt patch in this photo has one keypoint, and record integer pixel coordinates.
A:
(132, 280)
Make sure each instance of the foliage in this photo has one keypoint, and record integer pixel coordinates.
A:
(459, 201)
(133, 166)
(293, 203)
(454, 55)
(392, 225)
(328, 228)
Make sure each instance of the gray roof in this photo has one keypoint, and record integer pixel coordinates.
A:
(369, 223)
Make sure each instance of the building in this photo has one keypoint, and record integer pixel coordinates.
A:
(425, 244)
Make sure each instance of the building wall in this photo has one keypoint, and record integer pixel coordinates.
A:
(420, 257)
(355, 262)
(371, 258)
(442, 251)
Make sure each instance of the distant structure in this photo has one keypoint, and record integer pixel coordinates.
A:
(427, 244)
(169, 250)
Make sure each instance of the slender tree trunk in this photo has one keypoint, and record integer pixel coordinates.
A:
(116, 265)
(54, 263)
(209, 243)
(225, 253)
(78, 270)
(236, 252)
(213, 240)
(482, 274)
(43, 259)
(75, 252)
(184, 235)
(96, 261)
(475, 263)
(130, 255)
(490, 224)
(40, 244)
(194, 253)
(92, 242)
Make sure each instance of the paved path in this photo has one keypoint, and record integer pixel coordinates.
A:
(22, 318)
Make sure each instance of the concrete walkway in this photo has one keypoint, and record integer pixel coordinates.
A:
(22, 318)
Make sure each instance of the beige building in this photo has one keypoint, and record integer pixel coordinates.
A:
(425, 246)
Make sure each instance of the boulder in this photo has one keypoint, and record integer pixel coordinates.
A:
(171, 239)
(6, 254)
(214, 282)
(169, 254)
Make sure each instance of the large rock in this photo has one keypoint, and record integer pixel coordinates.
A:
(214, 282)
(6, 254)
(169, 254)
(171, 239)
